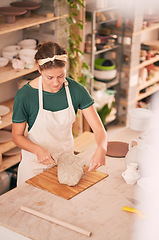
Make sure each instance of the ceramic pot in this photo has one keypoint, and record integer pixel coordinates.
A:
(140, 154)
(131, 174)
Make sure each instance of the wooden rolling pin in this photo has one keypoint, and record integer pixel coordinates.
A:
(55, 220)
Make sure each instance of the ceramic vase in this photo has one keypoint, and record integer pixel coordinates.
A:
(131, 174)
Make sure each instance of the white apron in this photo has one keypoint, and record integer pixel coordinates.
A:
(51, 130)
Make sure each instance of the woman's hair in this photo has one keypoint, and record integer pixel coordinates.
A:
(48, 50)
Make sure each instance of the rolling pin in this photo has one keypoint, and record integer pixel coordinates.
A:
(55, 220)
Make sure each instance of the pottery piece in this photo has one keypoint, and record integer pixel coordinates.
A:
(28, 43)
(3, 61)
(27, 5)
(5, 136)
(27, 55)
(139, 153)
(18, 64)
(131, 174)
(10, 51)
(11, 13)
(12, 152)
(4, 110)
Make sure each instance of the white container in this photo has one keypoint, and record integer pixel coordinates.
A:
(140, 119)
(131, 174)
(5, 178)
(3, 61)
(28, 43)
(105, 75)
(10, 52)
(27, 55)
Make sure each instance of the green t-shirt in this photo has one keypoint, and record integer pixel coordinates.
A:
(26, 101)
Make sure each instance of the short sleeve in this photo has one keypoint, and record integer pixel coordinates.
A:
(81, 98)
(85, 98)
(19, 109)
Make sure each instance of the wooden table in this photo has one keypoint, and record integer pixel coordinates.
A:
(97, 209)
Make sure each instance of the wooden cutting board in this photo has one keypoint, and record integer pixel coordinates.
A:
(48, 181)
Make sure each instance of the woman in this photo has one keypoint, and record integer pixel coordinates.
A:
(48, 105)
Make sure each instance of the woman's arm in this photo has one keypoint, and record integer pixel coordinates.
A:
(18, 137)
(96, 125)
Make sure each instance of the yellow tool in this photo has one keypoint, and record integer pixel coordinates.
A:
(134, 210)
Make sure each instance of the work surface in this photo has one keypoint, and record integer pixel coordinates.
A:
(97, 209)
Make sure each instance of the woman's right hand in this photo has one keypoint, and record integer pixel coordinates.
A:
(44, 157)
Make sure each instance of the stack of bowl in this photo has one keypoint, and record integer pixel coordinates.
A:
(10, 51)
(105, 70)
(27, 52)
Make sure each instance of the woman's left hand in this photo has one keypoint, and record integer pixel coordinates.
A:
(98, 159)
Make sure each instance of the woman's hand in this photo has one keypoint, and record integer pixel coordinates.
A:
(98, 159)
(44, 157)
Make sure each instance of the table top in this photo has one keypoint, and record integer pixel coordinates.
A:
(97, 209)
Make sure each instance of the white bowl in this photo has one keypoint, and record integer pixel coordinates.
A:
(11, 51)
(27, 55)
(3, 61)
(105, 75)
(140, 119)
(28, 43)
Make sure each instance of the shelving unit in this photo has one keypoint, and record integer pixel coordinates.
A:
(130, 84)
(8, 73)
(94, 53)
(22, 23)
(92, 9)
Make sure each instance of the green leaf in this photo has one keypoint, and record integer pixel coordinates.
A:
(85, 65)
(80, 25)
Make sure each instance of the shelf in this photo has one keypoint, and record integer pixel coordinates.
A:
(153, 26)
(147, 29)
(22, 22)
(8, 73)
(143, 64)
(148, 83)
(8, 162)
(105, 50)
(7, 119)
(148, 92)
(4, 147)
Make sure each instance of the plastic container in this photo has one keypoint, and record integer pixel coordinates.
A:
(105, 75)
(140, 119)
(99, 64)
(5, 178)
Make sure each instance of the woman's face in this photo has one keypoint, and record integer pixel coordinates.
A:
(53, 79)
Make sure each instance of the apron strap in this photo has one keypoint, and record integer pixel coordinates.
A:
(40, 93)
(68, 94)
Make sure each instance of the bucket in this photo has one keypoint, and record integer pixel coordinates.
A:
(139, 119)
